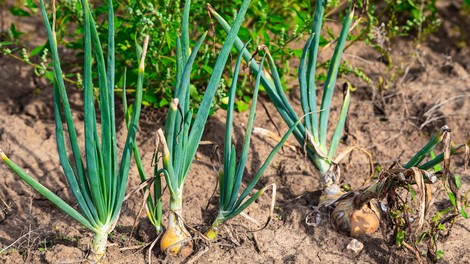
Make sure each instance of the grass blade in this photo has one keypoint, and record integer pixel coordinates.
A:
(439, 158)
(46, 192)
(90, 123)
(247, 140)
(312, 65)
(432, 143)
(243, 206)
(138, 159)
(80, 191)
(332, 75)
(170, 124)
(265, 165)
(228, 138)
(185, 31)
(228, 178)
(341, 121)
(284, 110)
(201, 117)
(183, 97)
(123, 173)
(304, 88)
(110, 77)
(59, 82)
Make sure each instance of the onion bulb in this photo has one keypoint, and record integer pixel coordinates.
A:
(353, 222)
(173, 240)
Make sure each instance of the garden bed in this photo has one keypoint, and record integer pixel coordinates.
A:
(388, 123)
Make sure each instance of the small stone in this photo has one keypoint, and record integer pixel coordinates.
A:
(355, 245)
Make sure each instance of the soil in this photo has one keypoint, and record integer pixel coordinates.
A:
(432, 89)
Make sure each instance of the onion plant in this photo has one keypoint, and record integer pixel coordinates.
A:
(417, 173)
(181, 136)
(364, 216)
(312, 133)
(231, 202)
(98, 182)
(153, 200)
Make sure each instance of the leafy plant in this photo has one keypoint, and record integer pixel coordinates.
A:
(99, 182)
(389, 20)
(356, 212)
(181, 136)
(14, 45)
(153, 201)
(313, 131)
(408, 195)
(142, 17)
(231, 202)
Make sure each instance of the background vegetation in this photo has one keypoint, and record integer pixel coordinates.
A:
(273, 23)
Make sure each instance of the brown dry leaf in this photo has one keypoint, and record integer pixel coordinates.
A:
(271, 208)
(271, 135)
(446, 140)
(421, 187)
(429, 198)
(163, 146)
(309, 139)
(467, 157)
(369, 156)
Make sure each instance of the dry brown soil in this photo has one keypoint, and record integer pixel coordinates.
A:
(386, 122)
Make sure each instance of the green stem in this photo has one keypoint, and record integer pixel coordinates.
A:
(176, 200)
(176, 208)
(323, 165)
